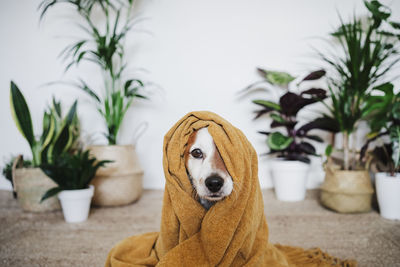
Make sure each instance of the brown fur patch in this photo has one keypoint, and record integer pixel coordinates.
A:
(218, 163)
(191, 140)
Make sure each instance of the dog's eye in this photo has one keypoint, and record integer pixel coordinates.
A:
(196, 153)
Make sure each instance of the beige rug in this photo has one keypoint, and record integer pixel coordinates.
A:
(29, 239)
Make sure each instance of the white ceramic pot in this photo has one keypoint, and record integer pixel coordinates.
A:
(388, 194)
(290, 179)
(76, 204)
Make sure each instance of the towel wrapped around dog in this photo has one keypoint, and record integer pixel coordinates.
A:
(233, 232)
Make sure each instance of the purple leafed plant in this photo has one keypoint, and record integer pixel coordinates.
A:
(293, 143)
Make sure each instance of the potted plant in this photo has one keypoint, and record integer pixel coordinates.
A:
(58, 135)
(121, 181)
(8, 170)
(72, 173)
(367, 52)
(291, 146)
(384, 121)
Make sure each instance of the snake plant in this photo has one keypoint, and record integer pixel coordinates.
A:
(58, 135)
(104, 44)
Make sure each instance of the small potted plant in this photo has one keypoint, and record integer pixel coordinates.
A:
(59, 135)
(367, 52)
(73, 173)
(384, 121)
(291, 146)
(8, 170)
(104, 44)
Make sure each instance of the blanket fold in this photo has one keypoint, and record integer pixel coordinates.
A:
(233, 232)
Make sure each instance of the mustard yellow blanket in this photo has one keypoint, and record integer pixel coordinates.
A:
(233, 232)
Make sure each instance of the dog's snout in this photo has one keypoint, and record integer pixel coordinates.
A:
(214, 183)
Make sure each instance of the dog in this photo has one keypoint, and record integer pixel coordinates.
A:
(206, 169)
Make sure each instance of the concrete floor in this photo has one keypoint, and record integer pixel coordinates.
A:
(34, 239)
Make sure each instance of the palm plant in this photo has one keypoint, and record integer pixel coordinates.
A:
(366, 56)
(59, 134)
(107, 51)
(71, 171)
(293, 143)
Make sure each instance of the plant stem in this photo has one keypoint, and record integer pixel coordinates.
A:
(353, 150)
(346, 150)
(36, 160)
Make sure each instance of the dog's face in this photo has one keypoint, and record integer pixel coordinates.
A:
(206, 168)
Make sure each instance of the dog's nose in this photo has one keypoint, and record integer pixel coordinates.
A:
(214, 183)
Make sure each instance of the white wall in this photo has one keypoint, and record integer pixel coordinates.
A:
(200, 52)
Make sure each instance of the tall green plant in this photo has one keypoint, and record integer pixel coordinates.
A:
(367, 53)
(58, 135)
(106, 49)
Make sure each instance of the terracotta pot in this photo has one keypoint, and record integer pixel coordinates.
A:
(119, 182)
(347, 191)
(31, 184)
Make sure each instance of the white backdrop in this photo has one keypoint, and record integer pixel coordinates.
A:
(200, 53)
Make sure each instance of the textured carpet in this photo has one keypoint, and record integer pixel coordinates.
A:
(29, 239)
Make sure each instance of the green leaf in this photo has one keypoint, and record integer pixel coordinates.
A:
(328, 150)
(20, 113)
(89, 91)
(378, 10)
(278, 118)
(46, 125)
(57, 107)
(50, 193)
(395, 139)
(279, 78)
(372, 135)
(278, 141)
(64, 138)
(386, 88)
(395, 25)
(314, 137)
(141, 96)
(396, 109)
(48, 134)
(71, 113)
(268, 104)
(62, 142)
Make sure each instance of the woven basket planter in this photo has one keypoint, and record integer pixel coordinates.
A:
(119, 182)
(347, 191)
(31, 184)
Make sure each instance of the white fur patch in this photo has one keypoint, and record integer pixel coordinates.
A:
(202, 168)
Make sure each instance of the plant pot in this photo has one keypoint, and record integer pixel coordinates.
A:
(388, 193)
(76, 204)
(346, 191)
(289, 179)
(31, 184)
(119, 182)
